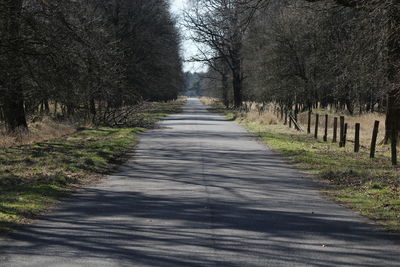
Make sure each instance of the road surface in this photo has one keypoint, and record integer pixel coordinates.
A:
(201, 191)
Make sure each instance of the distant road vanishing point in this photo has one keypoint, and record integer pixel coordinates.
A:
(201, 191)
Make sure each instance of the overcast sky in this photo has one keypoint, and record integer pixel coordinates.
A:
(188, 47)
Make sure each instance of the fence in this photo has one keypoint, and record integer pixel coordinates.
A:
(341, 127)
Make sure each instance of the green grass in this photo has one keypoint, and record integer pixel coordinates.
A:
(34, 177)
(369, 186)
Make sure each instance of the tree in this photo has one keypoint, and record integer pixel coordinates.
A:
(88, 58)
(11, 65)
(392, 8)
(221, 26)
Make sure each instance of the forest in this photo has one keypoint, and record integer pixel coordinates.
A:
(84, 60)
(341, 55)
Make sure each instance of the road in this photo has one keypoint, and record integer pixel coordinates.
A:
(201, 191)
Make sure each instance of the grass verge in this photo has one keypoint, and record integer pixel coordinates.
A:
(369, 186)
(34, 177)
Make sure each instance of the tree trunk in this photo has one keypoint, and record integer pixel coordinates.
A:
(393, 103)
(10, 68)
(70, 110)
(225, 87)
(237, 77)
(349, 106)
(392, 114)
(46, 106)
(93, 111)
(237, 89)
(14, 113)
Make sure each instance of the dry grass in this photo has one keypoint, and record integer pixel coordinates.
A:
(47, 129)
(208, 101)
(264, 118)
(263, 114)
(43, 130)
(366, 122)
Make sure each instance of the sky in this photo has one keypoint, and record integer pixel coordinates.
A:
(188, 48)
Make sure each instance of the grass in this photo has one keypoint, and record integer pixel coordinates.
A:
(39, 131)
(366, 121)
(34, 177)
(369, 186)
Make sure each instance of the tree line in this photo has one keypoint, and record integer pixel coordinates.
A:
(85, 58)
(302, 54)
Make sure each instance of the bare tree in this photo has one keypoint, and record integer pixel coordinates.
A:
(392, 9)
(87, 57)
(221, 27)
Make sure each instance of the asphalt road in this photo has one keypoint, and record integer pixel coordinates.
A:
(201, 191)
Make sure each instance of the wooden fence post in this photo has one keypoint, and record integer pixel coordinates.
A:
(296, 125)
(309, 122)
(335, 121)
(281, 113)
(341, 134)
(373, 140)
(290, 120)
(316, 126)
(345, 134)
(326, 128)
(357, 138)
(394, 144)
